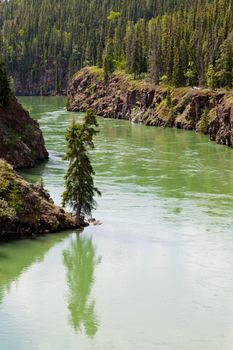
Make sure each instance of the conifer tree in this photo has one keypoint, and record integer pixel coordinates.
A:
(79, 183)
(5, 90)
(224, 72)
(210, 77)
(108, 62)
(129, 46)
(176, 39)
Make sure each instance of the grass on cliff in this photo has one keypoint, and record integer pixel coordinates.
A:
(174, 112)
(16, 197)
(228, 100)
(146, 82)
(11, 199)
(98, 72)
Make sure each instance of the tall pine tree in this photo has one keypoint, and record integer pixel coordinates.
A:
(79, 183)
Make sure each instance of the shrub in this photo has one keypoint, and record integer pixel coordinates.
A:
(6, 212)
(203, 124)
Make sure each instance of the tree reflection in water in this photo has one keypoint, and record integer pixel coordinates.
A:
(80, 261)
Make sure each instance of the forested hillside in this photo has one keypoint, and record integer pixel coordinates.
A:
(177, 41)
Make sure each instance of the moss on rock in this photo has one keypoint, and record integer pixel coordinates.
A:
(21, 140)
(26, 210)
(141, 101)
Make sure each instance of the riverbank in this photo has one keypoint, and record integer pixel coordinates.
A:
(26, 210)
(166, 211)
(21, 140)
(140, 101)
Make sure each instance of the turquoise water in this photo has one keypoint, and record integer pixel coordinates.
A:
(157, 274)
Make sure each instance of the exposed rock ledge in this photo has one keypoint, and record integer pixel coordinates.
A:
(21, 140)
(27, 210)
(140, 101)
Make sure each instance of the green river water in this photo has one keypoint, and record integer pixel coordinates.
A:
(157, 274)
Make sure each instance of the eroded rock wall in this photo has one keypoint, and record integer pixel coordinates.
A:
(27, 210)
(21, 140)
(203, 110)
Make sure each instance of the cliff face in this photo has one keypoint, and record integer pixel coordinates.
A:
(45, 85)
(21, 140)
(203, 110)
(27, 210)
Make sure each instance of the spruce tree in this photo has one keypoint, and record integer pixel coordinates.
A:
(5, 91)
(108, 62)
(210, 77)
(224, 72)
(79, 183)
(181, 40)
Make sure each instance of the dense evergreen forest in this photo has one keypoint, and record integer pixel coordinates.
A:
(180, 42)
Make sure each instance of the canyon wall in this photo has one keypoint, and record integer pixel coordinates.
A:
(21, 140)
(26, 210)
(140, 101)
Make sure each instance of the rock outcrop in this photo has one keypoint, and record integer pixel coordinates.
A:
(27, 210)
(204, 110)
(21, 140)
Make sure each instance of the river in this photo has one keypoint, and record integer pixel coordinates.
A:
(157, 274)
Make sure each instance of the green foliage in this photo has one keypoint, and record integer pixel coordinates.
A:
(79, 184)
(211, 77)
(97, 71)
(169, 99)
(224, 64)
(21, 32)
(108, 59)
(6, 212)
(191, 75)
(204, 122)
(14, 198)
(10, 192)
(168, 109)
(75, 33)
(164, 80)
(137, 48)
(190, 42)
(80, 260)
(113, 15)
(26, 107)
(40, 183)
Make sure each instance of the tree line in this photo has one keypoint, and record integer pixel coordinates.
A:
(191, 46)
(181, 42)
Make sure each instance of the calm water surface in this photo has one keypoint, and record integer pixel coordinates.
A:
(156, 275)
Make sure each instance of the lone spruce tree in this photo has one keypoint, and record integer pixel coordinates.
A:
(79, 184)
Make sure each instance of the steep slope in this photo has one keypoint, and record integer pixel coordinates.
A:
(204, 110)
(27, 210)
(21, 140)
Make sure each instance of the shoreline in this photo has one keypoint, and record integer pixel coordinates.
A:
(202, 110)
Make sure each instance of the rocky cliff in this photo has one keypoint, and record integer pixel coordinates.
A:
(27, 210)
(21, 140)
(204, 110)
